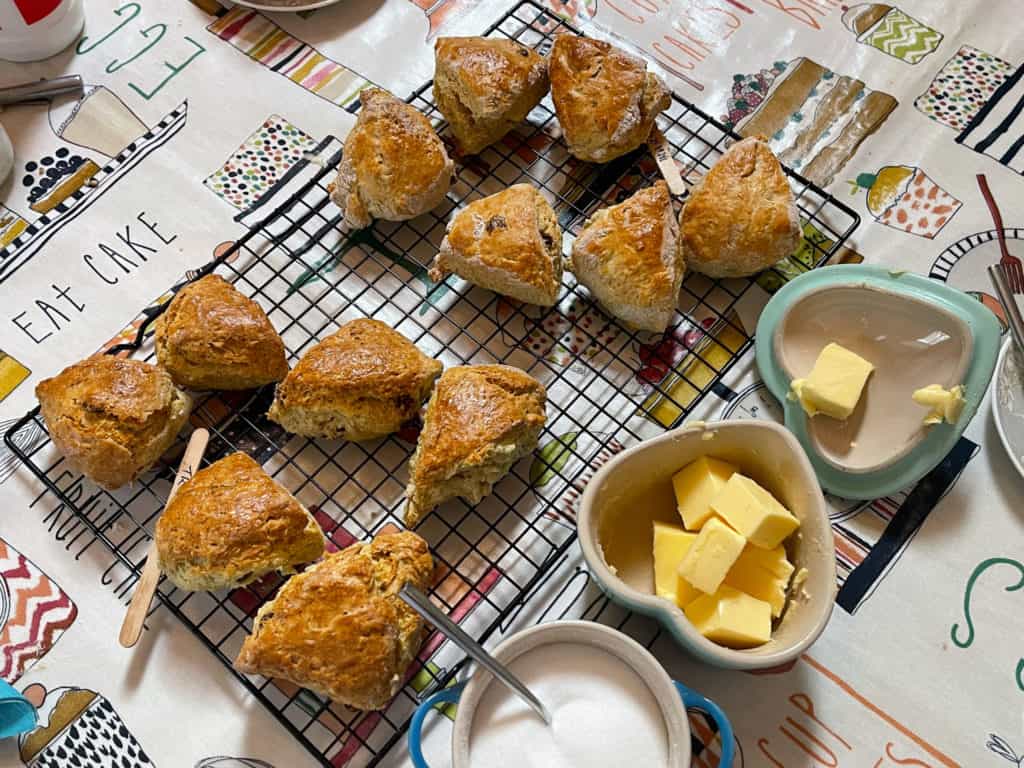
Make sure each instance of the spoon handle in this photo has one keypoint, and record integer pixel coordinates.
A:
(420, 603)
(42, 89)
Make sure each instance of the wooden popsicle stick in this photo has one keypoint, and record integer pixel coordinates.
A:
(131, 628)
(662, 152)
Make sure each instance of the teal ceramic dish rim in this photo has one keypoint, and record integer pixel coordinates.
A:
(941, 438)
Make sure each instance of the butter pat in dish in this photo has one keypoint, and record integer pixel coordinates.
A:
(835, 383)
(732, 618)
(945, 405)
(711, 555)
(671, 543)
(764, 574)
(754, 512)
(696, 484)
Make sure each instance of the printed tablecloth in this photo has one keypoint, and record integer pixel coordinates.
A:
(194, 110)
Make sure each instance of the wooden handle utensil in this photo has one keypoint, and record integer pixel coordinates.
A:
(131, 629)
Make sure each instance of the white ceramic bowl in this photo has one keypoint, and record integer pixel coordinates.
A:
(635, 488)
(673, 698)
(1008, 402)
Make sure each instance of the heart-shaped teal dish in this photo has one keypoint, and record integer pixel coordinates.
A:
(915, 332)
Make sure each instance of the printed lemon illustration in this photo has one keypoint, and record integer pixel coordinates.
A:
(906, 198)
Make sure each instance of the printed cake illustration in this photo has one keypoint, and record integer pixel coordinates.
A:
(906, 198)
(891, 31)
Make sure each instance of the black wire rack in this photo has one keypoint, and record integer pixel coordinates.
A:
(607, 387)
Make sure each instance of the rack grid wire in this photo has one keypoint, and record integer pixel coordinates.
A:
(607, 387)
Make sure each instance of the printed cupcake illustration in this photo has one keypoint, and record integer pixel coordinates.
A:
(891, 31)
(78, 727)
(906, 198)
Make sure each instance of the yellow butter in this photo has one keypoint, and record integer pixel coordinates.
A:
(944, 404)
(671, 543)
(754, 512)
(711, 555)
(731, 618)
(764, 574)
(835, 383)
(695, 485)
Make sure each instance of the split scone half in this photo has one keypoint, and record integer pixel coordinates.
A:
(111, 417)
(628, 256)
(605, 98)
(509, 243)
(394, 166)
(741, 218)
(230, 524)
(480, 421)
(362, 382)
(211, 336)
(339, 628)
(485, 87)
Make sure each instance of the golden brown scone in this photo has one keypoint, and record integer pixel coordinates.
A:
(231, 524)
(362, 382)
(339, 628)
(605, 98)
(480, 421)
(741, 218)
(213, 337)
(395, 166)
(628, 256)
(509, 243)
(112, 418)
(485, 87)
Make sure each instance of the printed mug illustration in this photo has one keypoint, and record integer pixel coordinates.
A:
(997, 130)
(34, 613)
(891, 31)
(78, 727)
(963, 636)
(815, 119)
(962, 87)
(262, 159)
(264, 42)
(905, 198)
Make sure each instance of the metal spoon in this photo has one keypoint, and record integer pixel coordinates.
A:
(420, 603)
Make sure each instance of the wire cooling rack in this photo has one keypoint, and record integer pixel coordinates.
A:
(607, 387)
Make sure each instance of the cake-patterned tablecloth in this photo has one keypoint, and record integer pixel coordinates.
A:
(194, 110)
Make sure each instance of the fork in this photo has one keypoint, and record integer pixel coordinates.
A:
(1011, 264)
(998, 275)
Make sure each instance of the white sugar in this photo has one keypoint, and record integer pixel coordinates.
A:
(603, 715)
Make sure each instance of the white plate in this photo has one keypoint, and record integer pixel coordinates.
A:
(306, 6)
(1008, 402)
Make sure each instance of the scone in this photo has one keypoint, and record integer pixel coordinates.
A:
(230, 524)
(605, 98)
(480, 421)
(485, 87)
(339, 628)
(213, 337)
(394, 166)
(361, 382)
(509, 243)
(741, 218)
(112, 418)
(628, 256)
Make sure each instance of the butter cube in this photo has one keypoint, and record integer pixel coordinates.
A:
(671, 544)
(944, 404)
(731, 618)
(764, 574)
(834, 384)
(695, 485)
(754, 512)
(711, 555)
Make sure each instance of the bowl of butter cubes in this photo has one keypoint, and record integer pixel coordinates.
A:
(720, 531)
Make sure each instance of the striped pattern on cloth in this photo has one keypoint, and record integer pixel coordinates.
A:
(262, 40)
(997, 130)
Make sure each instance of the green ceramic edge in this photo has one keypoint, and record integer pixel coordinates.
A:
(942, 437)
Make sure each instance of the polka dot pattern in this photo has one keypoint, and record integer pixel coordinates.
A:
(962, 87)
(258, 164)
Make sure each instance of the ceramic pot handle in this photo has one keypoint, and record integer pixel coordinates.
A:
(444, 696)
(693, 700)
